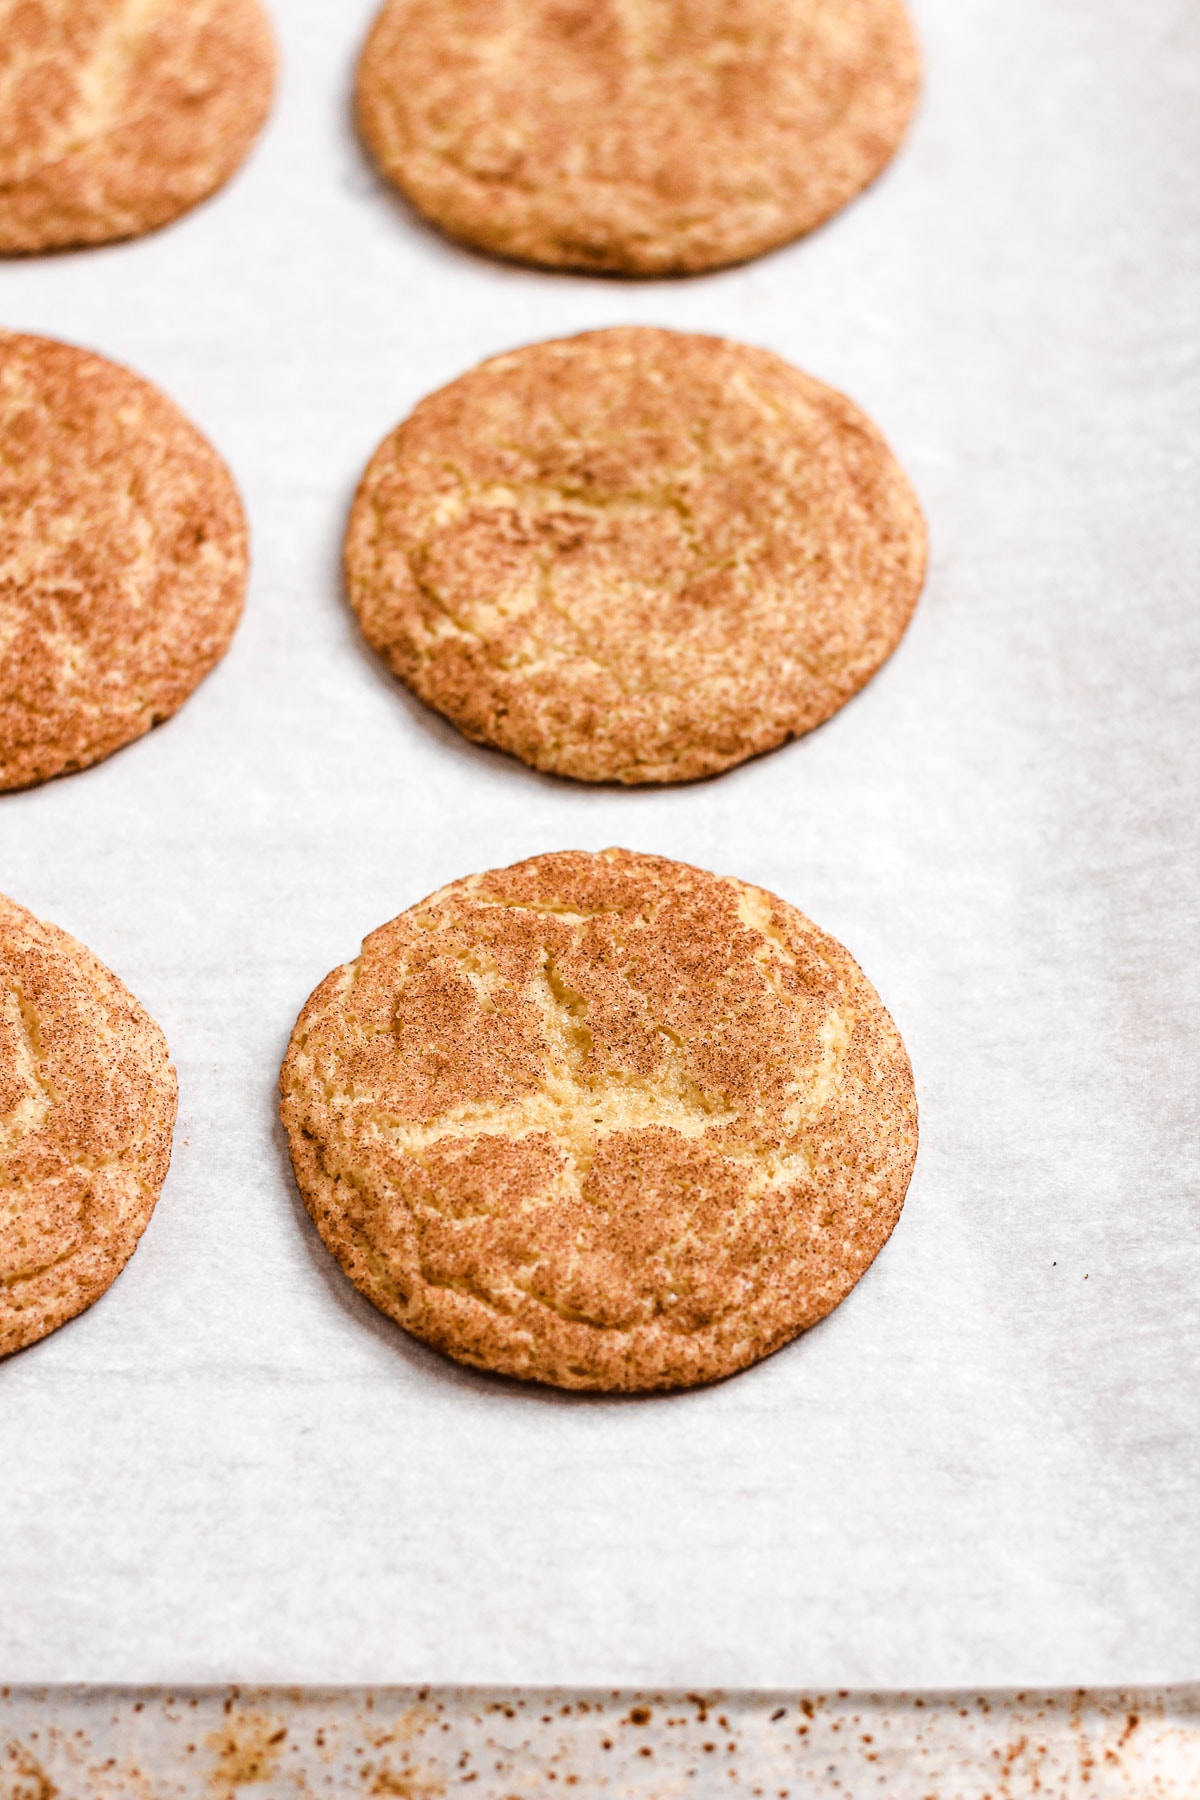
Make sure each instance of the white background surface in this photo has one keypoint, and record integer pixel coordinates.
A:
(985, 1467)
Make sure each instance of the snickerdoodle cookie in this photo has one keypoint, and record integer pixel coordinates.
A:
(117, 115)
(87, 1107)
(123, 558)
(605, 1121)
(640, 137)
(635, 555)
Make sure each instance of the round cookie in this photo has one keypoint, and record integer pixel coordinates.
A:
(605, 1121)
(123, 558)
(637, 137)
(635, 555)
(120, 114)
(87, 1108)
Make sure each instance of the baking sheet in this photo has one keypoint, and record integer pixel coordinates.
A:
(983, 1469)
(630, 1744)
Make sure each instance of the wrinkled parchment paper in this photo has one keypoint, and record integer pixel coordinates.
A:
(985, 1467)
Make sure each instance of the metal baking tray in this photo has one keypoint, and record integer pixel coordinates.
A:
(506, 1744)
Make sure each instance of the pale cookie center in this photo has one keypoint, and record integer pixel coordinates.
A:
(578, 1108)
(573, 1108)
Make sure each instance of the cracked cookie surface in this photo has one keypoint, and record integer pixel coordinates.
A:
(123, 558)
(605, 1121)
(639, 137)
(636, 555)
(87, 1108)
(117, 115)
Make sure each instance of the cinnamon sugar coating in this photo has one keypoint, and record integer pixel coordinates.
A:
(117, 115)
(123, 558)
(87, 1108)
(639, 137)
(605, 1121)
(635, 555)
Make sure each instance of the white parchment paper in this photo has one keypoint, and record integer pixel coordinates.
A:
(985, 1467)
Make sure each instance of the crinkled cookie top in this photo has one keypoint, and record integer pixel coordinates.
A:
(635, 555)
(123, 558)
(641, 137)
(87, 1109)
(605, 1121)
(117, 115)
